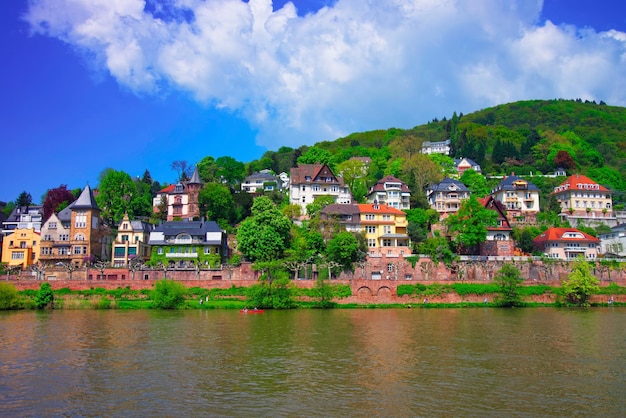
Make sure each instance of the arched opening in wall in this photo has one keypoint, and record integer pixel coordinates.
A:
(384, 293)
(364, 293)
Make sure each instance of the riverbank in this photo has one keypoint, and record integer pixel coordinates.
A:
(347, 295)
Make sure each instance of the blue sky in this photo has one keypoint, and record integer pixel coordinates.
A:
(135, 85)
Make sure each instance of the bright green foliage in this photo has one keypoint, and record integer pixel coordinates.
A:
(476, 182)
(319, 203)
(438, 249)
(420, 221)
(508, 280)
(168, 294)
(315, 155)
(343, 248)
(118, 194)
(580, 284)
(44, 298)
(469, 225)
(271, 294)
(265, 234)
(9, 298)
(230, 171)
(217, 204)
(323, 294)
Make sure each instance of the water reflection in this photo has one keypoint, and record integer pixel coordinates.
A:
(398, 362)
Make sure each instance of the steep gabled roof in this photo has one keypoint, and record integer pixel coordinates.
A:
(167, 189)
(561, 234)
(195, 177)
(300, 173)
(489, 202)
(380, 185)
(85, 200)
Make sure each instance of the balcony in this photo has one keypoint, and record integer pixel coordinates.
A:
(181, 255)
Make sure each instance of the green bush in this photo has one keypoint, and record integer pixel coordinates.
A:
(168, 294)
(9, 297)
(464, 289)
(44, 299)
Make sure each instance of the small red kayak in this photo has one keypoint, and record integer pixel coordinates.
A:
(252, 311)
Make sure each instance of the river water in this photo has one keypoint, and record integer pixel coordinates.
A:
(310, 363)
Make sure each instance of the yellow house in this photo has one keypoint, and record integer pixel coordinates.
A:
(21, 247)
(385, 228)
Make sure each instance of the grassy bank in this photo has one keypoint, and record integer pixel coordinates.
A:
(417, 295)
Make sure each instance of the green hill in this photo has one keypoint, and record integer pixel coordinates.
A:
(525, 137)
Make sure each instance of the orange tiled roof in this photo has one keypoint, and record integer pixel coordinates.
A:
(556, 234)
(386, 209)
(167, 189)
(572, 182)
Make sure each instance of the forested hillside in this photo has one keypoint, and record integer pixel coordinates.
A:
(526, 137)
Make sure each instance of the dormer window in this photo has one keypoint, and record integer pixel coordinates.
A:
(178, 188)
(376, 207)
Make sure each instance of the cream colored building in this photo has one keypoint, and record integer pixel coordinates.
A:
(131, 242)
(581, 196)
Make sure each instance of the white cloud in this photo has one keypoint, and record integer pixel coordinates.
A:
(357, 65)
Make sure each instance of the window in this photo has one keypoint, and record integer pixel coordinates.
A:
(17, 255)
(47, 237)
(52, 225)
(387, 243)
(125, 226)
(370, 229)
(334, 189)
(77, 249)
(160, 250)
(371, 242)
(64, 250)
(370, 217)
(81, 219)
(207, 250)
(386, 217)
(79, 237)
(316, 188)
(64, 237)
(387, 229)
(132, 250)
(124, 238)
(45, 251)
(389, 267)
(119, 252)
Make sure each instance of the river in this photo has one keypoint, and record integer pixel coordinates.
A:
(311, 363)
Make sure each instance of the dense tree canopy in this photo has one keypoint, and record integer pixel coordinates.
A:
(468, 227)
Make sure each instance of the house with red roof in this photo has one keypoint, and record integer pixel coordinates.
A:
(309, 181)
(499, 241)
(580, 196)
(180, 199)
(390, 191)
(567, 244)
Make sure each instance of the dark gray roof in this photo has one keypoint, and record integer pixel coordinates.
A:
(65, 215)
(85, 200)
(140, 226)
(339, 209)
(445, 184)
(508, 184)
(195, 177)
(189, 227)
(21, 210)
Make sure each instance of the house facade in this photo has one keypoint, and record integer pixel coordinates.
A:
(499, 241)
(180, 199)
(348, 216)
(390, 191)
(21, 247)
(131, 242)
(613, 243)
(567, 244)
(580, 196)
(260, 182)
(186, 244)
(77, 234)
(439, 147)
(309, 181)
(463, 164)
(23, 217)
(446, 196)
(385, 229)
(520, 198)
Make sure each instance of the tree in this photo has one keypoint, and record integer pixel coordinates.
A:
(183, 170)
(343, 249)
(319, 203)
(580, 284)
(475, 182)
(168, 294)
(116, 193)
(24, 199)
(438, 249)
(207, 169)
(315, 155)
(508, 279)
(230, 171)
(264, 235)
(468, 227)
(9, 298)
(217, 203)
(351, 171)
(55, 200)
(44, 298)
(564, 160)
